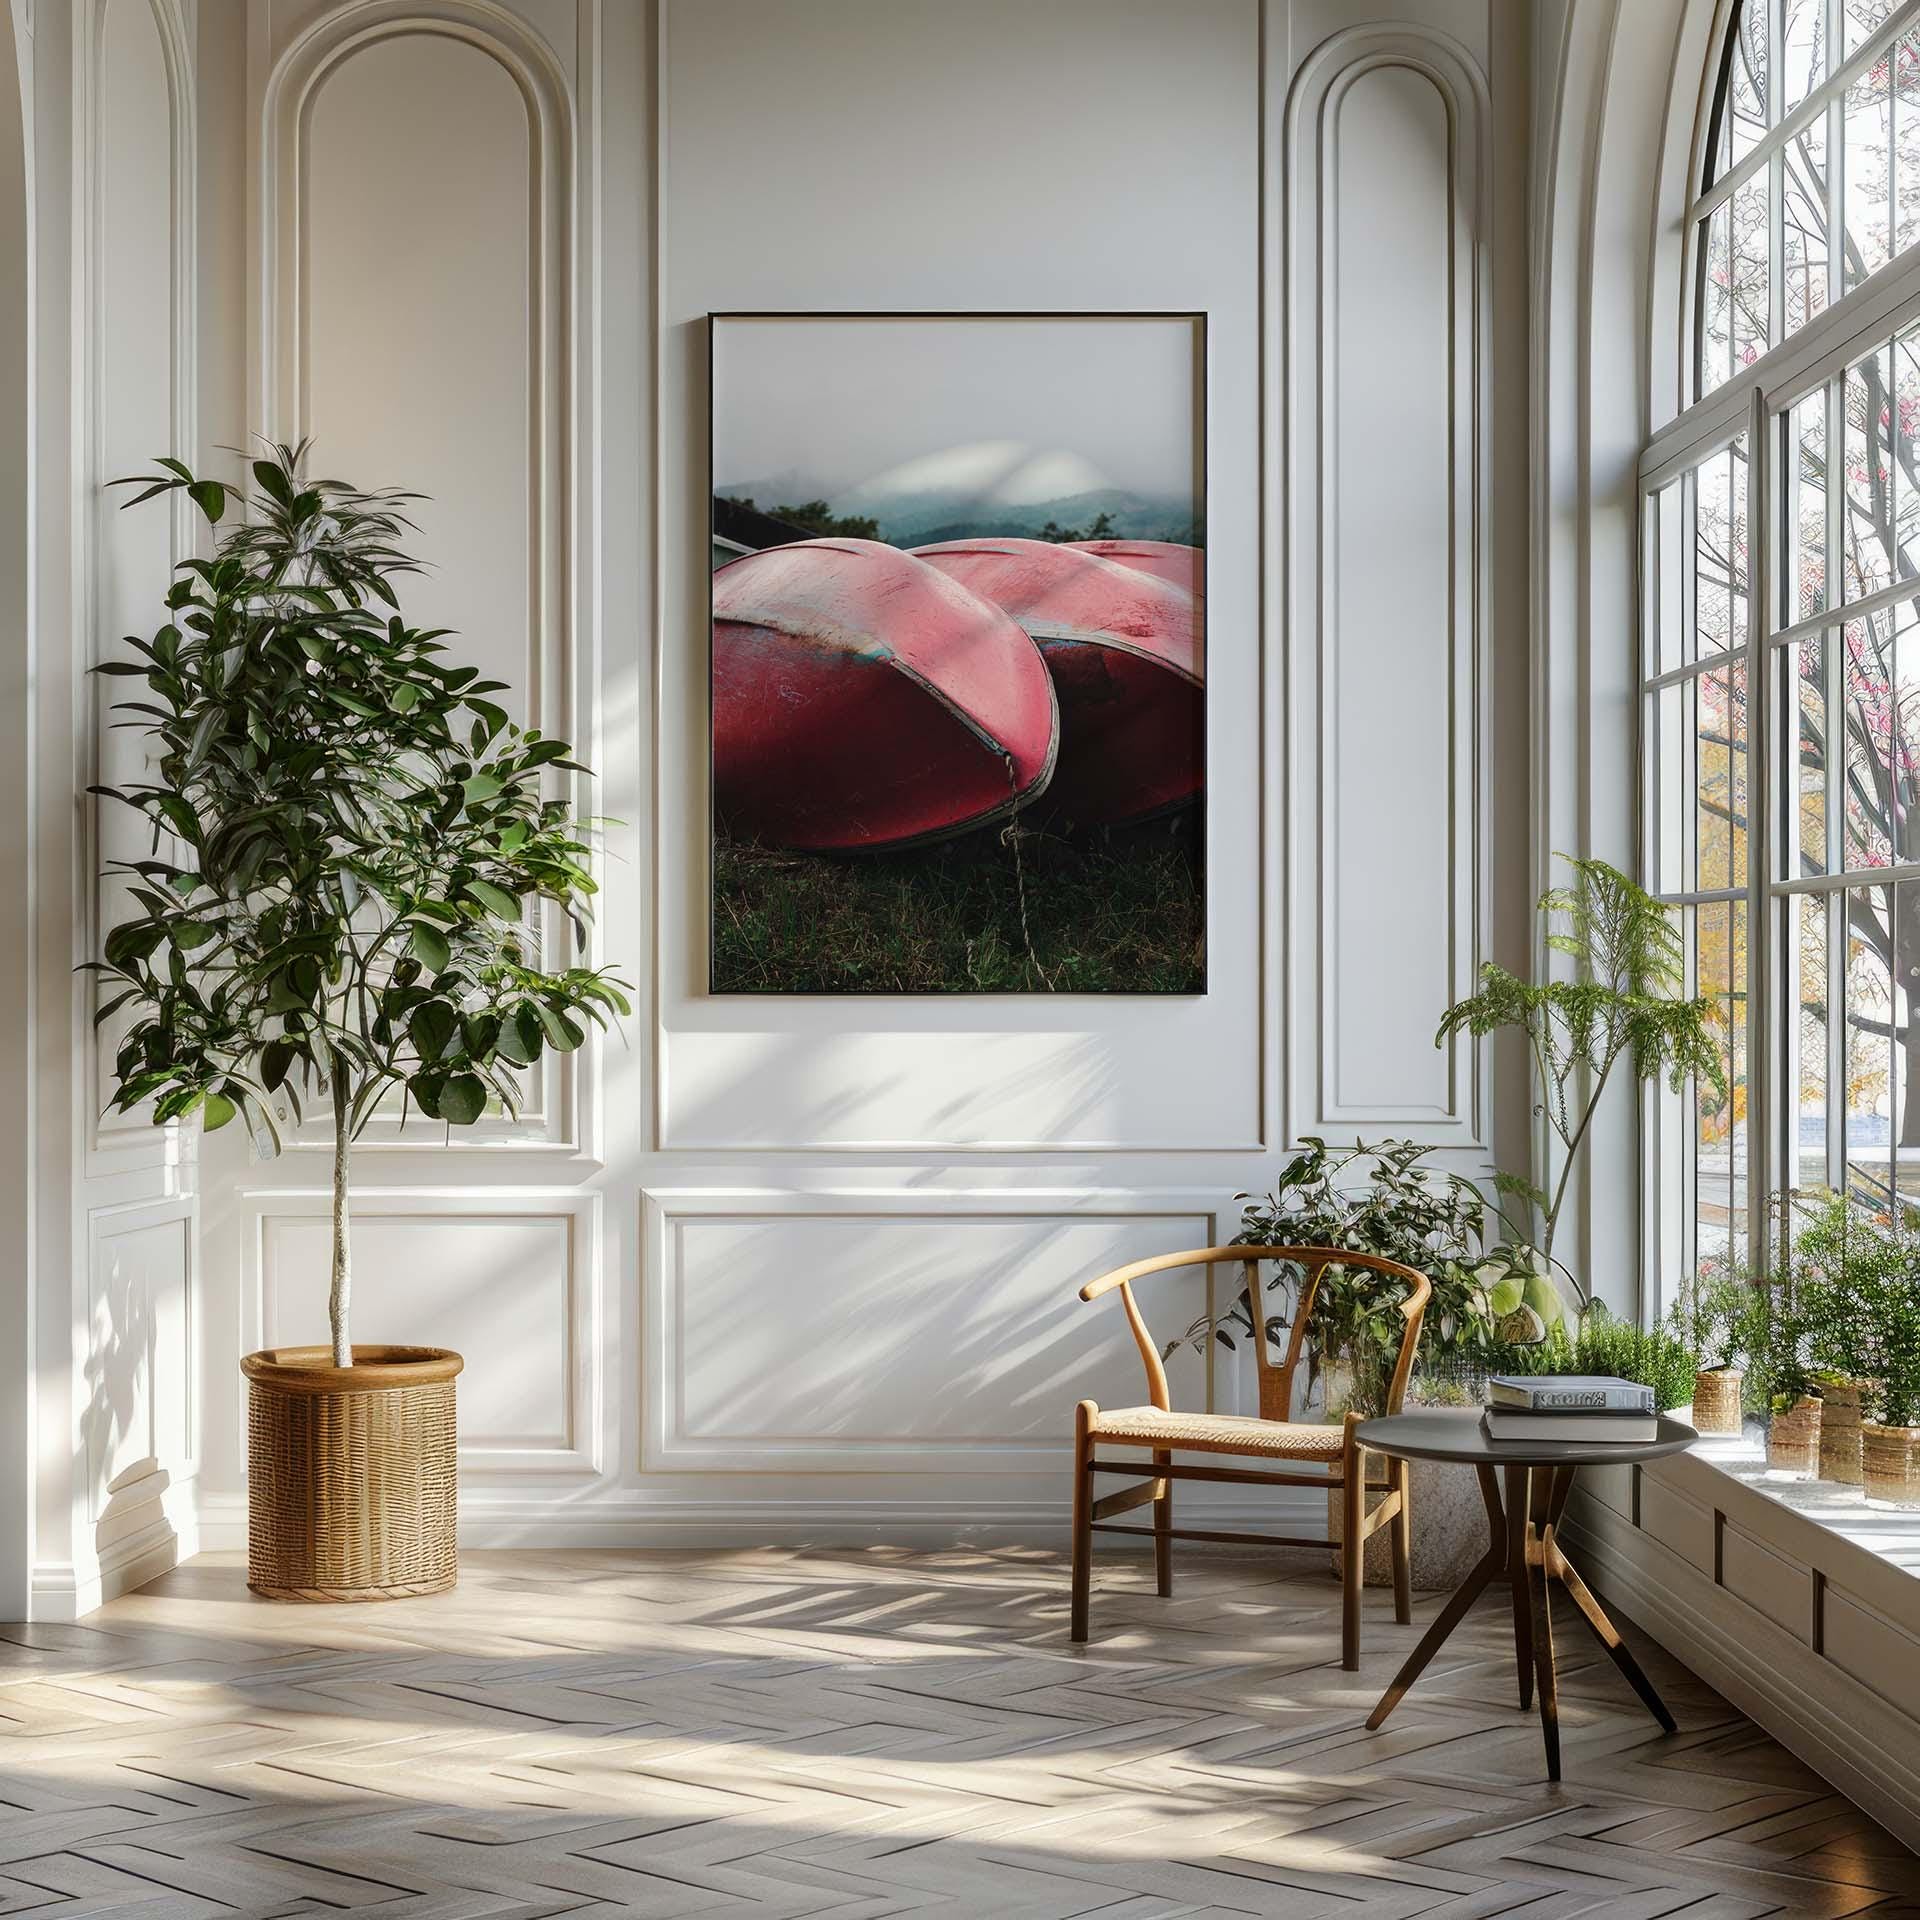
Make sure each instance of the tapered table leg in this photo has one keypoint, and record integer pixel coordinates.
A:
(1490, 1563)
(1608, 1635)
(1540, 1583)
(1518, 1493)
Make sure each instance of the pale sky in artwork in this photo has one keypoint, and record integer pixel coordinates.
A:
(1010, 410)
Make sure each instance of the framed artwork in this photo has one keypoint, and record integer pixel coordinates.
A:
(958, 652)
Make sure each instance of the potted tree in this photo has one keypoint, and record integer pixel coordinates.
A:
(1855, 1264)
(1624, 1010)
(357, 867)
(1785, 1377)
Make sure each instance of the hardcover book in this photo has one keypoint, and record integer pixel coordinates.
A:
(1569, 1393)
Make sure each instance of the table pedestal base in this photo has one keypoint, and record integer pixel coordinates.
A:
(1523, 1549)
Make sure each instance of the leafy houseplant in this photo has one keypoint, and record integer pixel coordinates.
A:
(1382, 1199)
(354, 852)
(1431, 1221)
(1624, 1008)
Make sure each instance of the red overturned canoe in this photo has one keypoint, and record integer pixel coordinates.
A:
(1164, 559)
(864, 700)
(1124, 648)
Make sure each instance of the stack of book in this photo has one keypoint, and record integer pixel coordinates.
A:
(1580, 1407)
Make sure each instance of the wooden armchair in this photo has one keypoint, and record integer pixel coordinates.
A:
(1314, 1455)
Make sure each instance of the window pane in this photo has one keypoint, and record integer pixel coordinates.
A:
(1903, 435)
(1805, 580)
(1869, 1044)
(1746, 115)
(1866, 692)
(1713, 1111)
(1867, 519)
(1670, 758)
(1751, 293)
(1803, 50)
(1866, 175)
(1858, 19)
(1668, 518)
(1906, 144)
(1721, 768)
(1716, 300)
(1807, 972)
(1719, 538)
(1804, 224)
(1805, 665)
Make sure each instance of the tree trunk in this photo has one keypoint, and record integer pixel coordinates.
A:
(341, 1289)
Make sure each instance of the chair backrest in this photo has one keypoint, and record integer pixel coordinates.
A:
(1276, 1377)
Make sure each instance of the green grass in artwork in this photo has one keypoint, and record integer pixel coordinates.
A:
(1100, 916)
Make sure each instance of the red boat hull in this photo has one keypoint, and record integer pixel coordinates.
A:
(863, 700)
(1125, 649)
(1165, 559)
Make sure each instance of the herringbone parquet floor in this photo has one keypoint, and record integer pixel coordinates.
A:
(867, 1733)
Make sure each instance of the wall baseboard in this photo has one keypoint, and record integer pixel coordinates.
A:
(65, 1591)
(1860, 1741)
(640, 1520)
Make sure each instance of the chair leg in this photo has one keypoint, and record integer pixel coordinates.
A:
(1398, 1476)
(1163, 1528)
(1353, 1548)
(1082, 1517)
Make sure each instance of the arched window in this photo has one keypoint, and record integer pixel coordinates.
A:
(1780, 721)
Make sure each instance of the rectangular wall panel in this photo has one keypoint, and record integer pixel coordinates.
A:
(1767, 1582)
(792, 1333)
(138, 1419)
(503, 1289)
(982, 203)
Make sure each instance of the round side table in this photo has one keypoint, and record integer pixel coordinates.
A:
(1521, 1545)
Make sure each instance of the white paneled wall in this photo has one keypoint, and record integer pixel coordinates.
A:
(117, 1309)
(806, 1268)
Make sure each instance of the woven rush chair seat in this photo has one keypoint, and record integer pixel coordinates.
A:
(1219, 1433)
(1285, 1452)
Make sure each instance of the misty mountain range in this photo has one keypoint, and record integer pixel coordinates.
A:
(916, 519)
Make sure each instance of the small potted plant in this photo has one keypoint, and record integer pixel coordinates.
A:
(355, 873)
(1624, 1010)
(1718, 1312)
(1785, 1379)
(1890, 1441)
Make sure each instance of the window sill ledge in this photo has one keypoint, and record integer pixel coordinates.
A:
(1888, 1533)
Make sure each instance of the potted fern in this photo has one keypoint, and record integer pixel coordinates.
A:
(1623, 1013)
(355, 866)
(1720, 1313)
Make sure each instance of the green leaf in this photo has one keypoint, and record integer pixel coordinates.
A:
(497, 900)
(425, 1088)
(273, 481)
(275, 1058)
(210, 497)
(480, 788)
(429, 946)
(432, 1027)
(562, 1033)
(216, 1110)
(520, 1039)
(463, 1099)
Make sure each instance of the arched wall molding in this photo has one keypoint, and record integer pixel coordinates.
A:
(125, 1137)
(1322, 90)
(553, 1117)
(292, 88)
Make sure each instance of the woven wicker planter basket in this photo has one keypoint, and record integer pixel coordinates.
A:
(350, 1473)
(1793, 1439)
(1716, 1399)
(1840, 1430)
(1890, 1463)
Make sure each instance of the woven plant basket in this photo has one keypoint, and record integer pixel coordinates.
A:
(350, 1473)
(1793, 1439)
(1716, 1399)
(1890, 1465)
(1840, 1430)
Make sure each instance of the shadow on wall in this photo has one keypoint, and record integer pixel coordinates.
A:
(116, 1425)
